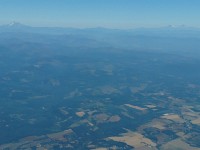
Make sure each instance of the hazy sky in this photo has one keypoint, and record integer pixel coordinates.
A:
(101, 13)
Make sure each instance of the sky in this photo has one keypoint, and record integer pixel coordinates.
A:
(101, 13)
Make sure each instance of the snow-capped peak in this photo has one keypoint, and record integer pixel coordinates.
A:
(12, 24)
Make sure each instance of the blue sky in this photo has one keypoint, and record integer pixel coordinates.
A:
(101, 13)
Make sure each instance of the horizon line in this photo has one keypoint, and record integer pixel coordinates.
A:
(15, 23)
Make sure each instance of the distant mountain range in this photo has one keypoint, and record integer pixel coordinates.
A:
(168, 31)
(165, 39)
